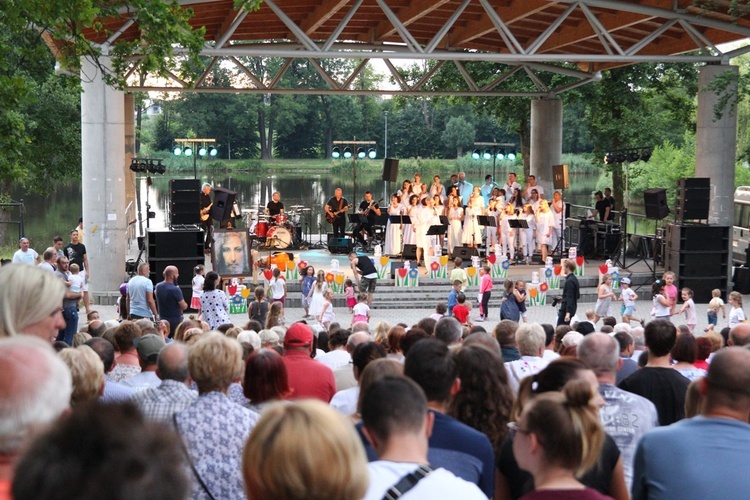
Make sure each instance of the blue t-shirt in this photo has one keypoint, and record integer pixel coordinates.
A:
(452, 301)
(307, 283)
(168, 298)
(138, 287)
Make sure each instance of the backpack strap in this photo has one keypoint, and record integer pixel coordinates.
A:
(407, 482)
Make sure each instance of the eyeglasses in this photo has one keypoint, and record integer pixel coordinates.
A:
(514, 428)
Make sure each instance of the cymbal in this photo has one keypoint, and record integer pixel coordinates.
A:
(297, 206)
(305, 209)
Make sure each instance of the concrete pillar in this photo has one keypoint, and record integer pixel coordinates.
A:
(129, 175)
(103, 182)
(716, 145)
(546, 140)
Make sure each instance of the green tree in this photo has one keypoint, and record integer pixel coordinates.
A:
(458, 134)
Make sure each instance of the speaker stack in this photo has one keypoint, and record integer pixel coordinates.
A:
(655, 203)
(221, 209)
(699, 255)
(390, 170)
(693, 198)
(185, 201)
(182, 249)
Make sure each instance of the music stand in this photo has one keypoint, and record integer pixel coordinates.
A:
(399, 219)
(437, 230)
(357, 219)
(486, 220)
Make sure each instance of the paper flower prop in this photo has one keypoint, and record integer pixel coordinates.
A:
(471, 271)
(615, 275)
(232, 289)
(268, 274)
(302, 264)
(543, 287)
(384, 260)
(558, 270)
(413, 273)
(603, 268)
(548, 273)
(402, 272)
(506, 264)
(443, 260)
(236, 300)
(492, 258)
(580, 260)
(533, 293)
(245, 293)
(434, 266)
(290, 265)
(339, 279)
(329, 278)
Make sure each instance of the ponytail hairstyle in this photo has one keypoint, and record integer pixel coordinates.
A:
(657, 288)
(567, 426)
(552, 379)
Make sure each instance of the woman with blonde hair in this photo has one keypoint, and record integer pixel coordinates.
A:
(23, 306)
(316, 448)
(380, 335)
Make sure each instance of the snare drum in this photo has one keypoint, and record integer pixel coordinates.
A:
(261, 229)
(281, 219)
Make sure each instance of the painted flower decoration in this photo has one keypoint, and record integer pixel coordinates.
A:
(413, 273)
(340, 279)
(580, 260)
(384, 260)
(302, 265)
(533, 292)
(434, 266)
(548, 273)
(329, 277)
(558, 270)
(402, 272)
(237, 299)
(543, 287)
(506, 264)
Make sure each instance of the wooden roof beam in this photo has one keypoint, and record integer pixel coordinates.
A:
(515, 11)
(322, 14)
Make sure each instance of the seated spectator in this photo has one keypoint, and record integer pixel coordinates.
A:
(411, 337)
(148, 348)
(684, 354)
(266, 380)
(530, 339)
(337, 354)
(449, 330)
(87, 370)
(626, 344)
(284, 454)
(486, 340)
(345, 401)
(214, 429)
(128, 363)
(344, 375)
(307, 377)
(395, 334)
(114, 392)
(172, 395)
(374, 371)
(396, 421)
(103, 451)
(505, 333)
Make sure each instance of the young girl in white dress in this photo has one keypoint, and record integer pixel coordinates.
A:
(405, 193)
(437, 189)
(410, 238)
(316, 293)
(491, 233)
(507, 233)
(455, 216)
(393, 232)
(527, 235)
(472, 232)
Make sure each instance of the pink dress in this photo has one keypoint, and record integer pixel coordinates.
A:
(351, 300)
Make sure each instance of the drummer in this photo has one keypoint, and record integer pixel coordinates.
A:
(275, 207)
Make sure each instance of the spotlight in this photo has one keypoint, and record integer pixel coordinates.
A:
(213, 152)
(202, 151)
(646, 155)
(150, 167)
(372, 154)
(621, 157)
(487, 154)
(335, 153)
(633, 156)
(361, 153)
(177, 151)
(134, 165)
(500, 155)
(347, 153)
(512, 156)
(475, 154)
(160, 169)
(609, 158)
(188, 151)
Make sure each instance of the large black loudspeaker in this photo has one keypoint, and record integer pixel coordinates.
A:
(693, 198)
(466, 253)
(340, 245)
(655, 201)
(560, 179)
(182, 249)
(390, 170)
(410, 252)
(184, 205)
(699, 255)
(223, 201)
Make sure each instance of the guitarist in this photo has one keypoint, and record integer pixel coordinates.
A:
(336, 213)
(371, 209)
(206, 222)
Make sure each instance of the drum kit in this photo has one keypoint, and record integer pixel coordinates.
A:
(279, 231)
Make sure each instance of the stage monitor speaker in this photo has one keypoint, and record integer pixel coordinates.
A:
(560, 179)
(655, 202)
(390, 170)
(466, 253)
(410, 252)
(223, 202)
(340, 245)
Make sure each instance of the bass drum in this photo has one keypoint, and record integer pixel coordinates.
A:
(279, 237)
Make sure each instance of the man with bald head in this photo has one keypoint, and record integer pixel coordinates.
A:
(35, 389)
(344, 375)
(740, 335)
(169, 299)
(626, 417)
(706, 456)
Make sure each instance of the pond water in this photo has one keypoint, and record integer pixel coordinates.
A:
(58, 211)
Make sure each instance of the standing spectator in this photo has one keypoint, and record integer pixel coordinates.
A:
(197, 284)
(24, 254)
(69, 304)
(141, 303)
(49, 258)
(57, 245)
(706, 456)
(307, 378)
(214, 302)
(258, 309)
(658, 381)
(169, 298)
(571, 294)
(214, 429)
(76, 253)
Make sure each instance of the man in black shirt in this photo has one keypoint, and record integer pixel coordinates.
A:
(371, 209)
(602, 206)
(611, 199)
(75, 251)
(571, 294)
(362, 265)
(275, 207)
(336, 213)
(206, 222)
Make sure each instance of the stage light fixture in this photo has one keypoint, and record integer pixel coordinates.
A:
(372, 154)
(347, 153)
(335, 153)
(202, 151)
(512, 156)
(361, 153)
(134, 165)
(621, 157)
(487, 155)
(177, 151)
(188, 151)
(646, 155)
(609, 158)
(213, 152)
(475, 154)
(633, 156)
(500, 155)
(160, 168)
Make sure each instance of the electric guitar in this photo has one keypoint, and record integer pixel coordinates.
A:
(372, 204)
(331, 216)
(204, 213)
